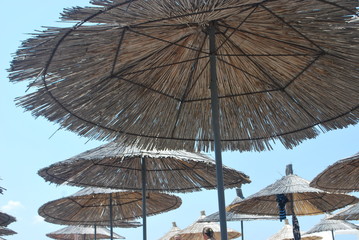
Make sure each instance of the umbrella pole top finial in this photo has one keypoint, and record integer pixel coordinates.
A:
(203, 213)
(239, 193)
(289, 169)
(174, 224)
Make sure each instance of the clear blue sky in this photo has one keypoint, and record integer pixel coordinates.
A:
(26, 147)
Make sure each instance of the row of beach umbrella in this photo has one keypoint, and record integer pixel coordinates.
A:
(196, 75)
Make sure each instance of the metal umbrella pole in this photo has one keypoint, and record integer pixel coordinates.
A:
(144, 220)
(216, 131)
(111, 227)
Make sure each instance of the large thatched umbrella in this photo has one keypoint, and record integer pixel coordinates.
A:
(231, 216)
(6, 231)
(286, 233)
(300, 199)
(171, 233)
(6, 219)
(194, 230)
(82, 232)
(115, 165)
(342, 176)
(197, 74)
(349, 213)
(332, 225)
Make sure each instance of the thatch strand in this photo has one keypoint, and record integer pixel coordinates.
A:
(114, 165)
(342, 176)
(91, 206)
(286, 72)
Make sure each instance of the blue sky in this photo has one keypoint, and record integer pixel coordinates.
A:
(27, 145)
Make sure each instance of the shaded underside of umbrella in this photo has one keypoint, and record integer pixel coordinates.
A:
(6, 219)
(194, 231)
(6, 231)
(306, 200)
(114, 165)
(349, 213)
(171, 233)
(285, 70)
(342, 176)
(91, 206)
(73, 233)
(286, 233)
(332, 225)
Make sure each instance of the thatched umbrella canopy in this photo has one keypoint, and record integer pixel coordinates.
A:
(194, 231)
(82, 232)
(332, 225)
(115, 165)
(92, 206)
(342, 176)
(6, 231)
(2, 238)
(232, 216)
(196, 75)
(286, 233)
(349, 213)
(301, 199)
(6, 219)
(171, 233)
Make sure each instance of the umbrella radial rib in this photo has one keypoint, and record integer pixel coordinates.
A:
(189, 86)
(338, 6)
(118, 51)
(291, 27)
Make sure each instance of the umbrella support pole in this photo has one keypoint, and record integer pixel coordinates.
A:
(95, 230)
(144, 219)
(242, 230)
(216, 132)
(333, 235)
(111, 227)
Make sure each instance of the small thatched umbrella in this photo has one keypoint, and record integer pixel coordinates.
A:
(349, 213)
(6, 231)
(231, 216)
(171, 233)
(197, 75)
(82, 232)
(342, 176)
(6, 219)
(286, 233)
(2, 238)
(114, 165)
(332, 225)
(300, 199)
(106, 207)
(194, 231)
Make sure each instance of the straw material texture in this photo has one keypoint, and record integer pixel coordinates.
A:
(332, 225)
(306, 200)
(114, 165)
(6, 231)
(286, 233)
(342, 176)
(194, 231)
(6, 219)
(91, 206)
(287, 70)
(78, 232)
(349, 213)
(171, 233)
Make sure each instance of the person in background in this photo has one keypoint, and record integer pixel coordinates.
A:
(208, 233)
(177, 237)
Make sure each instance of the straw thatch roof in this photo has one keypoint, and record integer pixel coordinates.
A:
(231, 216)
(6, 231)
(6, 219)
(86, 232)
(332, 225)
(342, 176)
(91, 206)
(349, 213)
(194, 231)
(306, 200)
(286, 70)
(286, 233)
(171, 233)
(114, 165)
